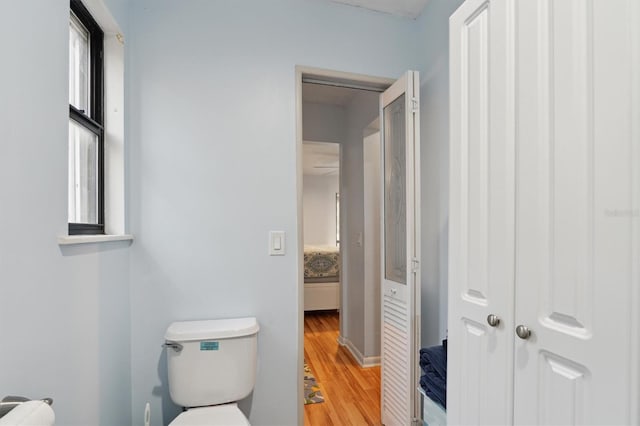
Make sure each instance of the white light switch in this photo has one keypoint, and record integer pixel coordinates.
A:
(276, 243)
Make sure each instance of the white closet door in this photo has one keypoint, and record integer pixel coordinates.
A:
(578, 212)
(481, 224)
(400, 251)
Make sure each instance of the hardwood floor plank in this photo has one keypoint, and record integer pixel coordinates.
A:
(352, 393)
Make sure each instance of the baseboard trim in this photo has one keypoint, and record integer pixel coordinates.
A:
(364, 362)
(371, 361)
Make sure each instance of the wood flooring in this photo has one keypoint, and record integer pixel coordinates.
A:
(351, 393)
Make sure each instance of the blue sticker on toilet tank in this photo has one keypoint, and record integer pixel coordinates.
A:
(209, 346)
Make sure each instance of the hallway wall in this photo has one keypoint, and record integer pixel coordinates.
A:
(362, 110)
(319, 205)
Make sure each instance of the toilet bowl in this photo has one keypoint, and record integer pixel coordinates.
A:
(211, 365)
(218, 415)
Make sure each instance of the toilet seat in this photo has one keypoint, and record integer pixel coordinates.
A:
(217, 415)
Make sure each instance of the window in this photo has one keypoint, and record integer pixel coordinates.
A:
(86, 123)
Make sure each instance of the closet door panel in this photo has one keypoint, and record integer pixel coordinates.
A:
(481, 229)
(575, 216)
(568, 78)
(564, 405)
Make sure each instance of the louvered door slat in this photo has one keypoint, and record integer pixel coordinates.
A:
(396, 333)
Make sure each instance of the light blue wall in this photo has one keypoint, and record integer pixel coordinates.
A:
(213, 169)
(433, 54)
(211, 123)
(64, 312)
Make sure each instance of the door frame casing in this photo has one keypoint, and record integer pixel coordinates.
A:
(334, 77)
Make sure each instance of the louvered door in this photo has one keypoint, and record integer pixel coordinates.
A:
(400, 251)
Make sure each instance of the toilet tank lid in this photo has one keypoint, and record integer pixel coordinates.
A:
(183, 331)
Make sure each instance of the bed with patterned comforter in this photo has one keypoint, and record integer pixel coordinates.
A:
(321, 264)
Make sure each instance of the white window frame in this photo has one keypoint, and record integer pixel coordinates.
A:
(114, 140)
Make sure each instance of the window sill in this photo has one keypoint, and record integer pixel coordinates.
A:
(66, 240)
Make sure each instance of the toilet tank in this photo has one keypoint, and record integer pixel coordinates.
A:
(211, 362)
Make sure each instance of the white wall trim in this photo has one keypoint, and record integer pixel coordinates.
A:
(114, 146)
(344, 78)
(371, 361)
(634, 24)
(114, 141)
(300, 253)
(364, 362)
(65, 240)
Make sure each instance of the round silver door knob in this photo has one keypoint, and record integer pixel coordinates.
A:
(493, 320)
(523, 332)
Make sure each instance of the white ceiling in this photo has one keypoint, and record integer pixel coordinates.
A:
(406, 8)
(320, 159)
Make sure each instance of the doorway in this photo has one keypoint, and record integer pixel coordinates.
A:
(337, 112)
(321, 207)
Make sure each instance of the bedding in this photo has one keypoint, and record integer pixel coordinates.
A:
(321, 264)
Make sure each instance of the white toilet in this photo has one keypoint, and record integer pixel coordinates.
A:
(211, 365)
